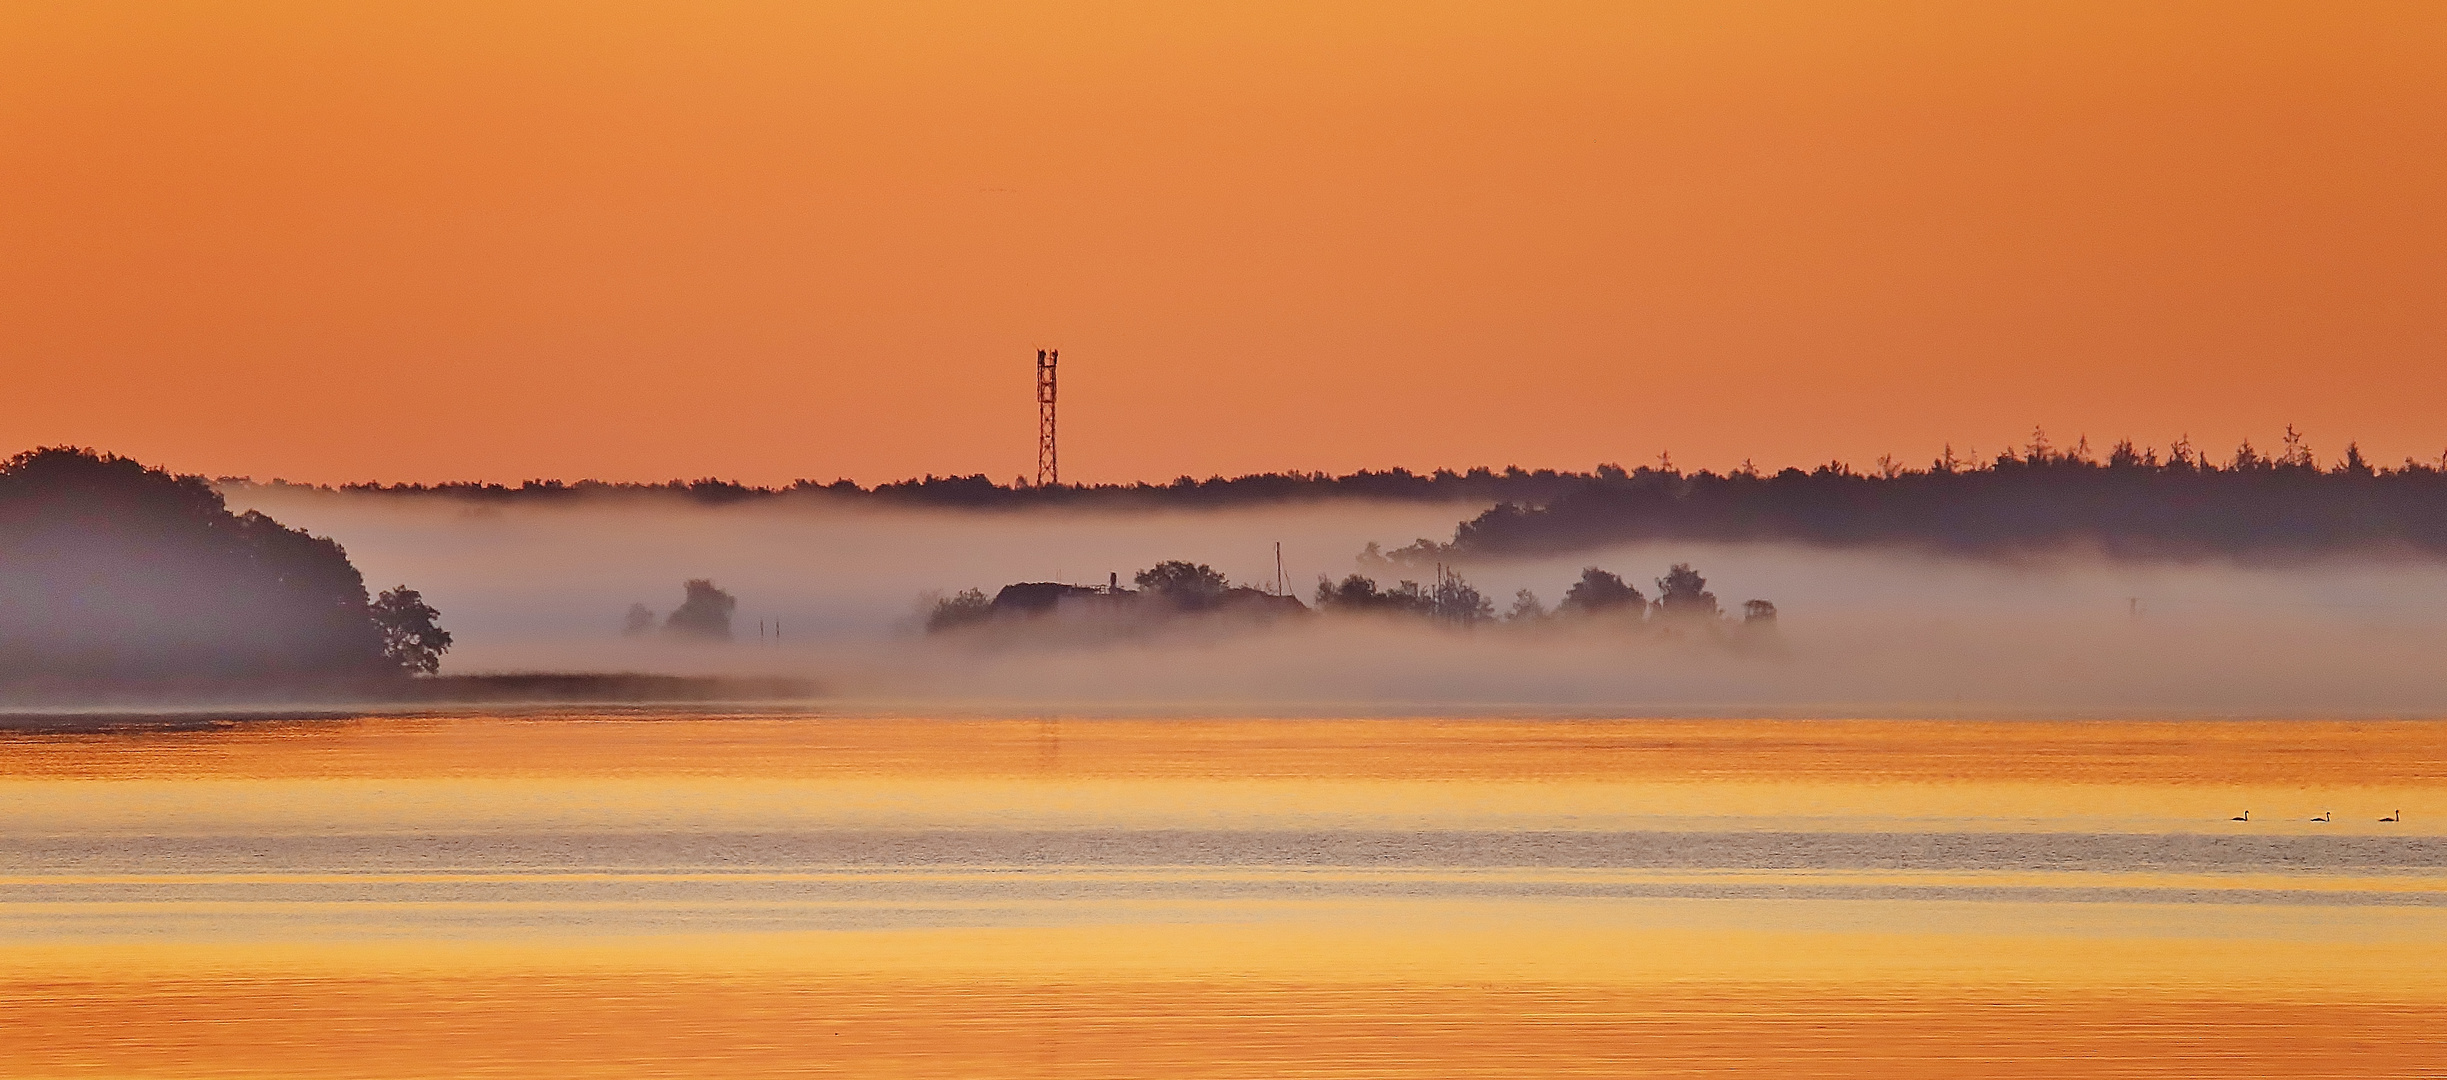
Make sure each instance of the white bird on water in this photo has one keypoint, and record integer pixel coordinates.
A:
(2247, 816)
(2326, 815)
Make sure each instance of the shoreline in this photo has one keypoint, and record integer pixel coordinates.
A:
(210, 704)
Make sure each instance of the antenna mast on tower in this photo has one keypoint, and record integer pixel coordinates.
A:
(1048, 470)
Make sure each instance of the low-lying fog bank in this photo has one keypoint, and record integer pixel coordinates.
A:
(1861, 631)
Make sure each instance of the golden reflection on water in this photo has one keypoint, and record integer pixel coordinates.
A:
(787, 896)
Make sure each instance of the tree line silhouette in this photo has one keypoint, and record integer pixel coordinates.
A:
(976, 491)
(2129, 502)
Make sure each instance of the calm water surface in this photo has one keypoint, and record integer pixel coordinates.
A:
(892, 897)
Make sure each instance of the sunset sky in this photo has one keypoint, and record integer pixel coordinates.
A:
(763, 241)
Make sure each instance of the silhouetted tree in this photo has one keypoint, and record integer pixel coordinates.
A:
(2183, 453)
(959, 609)
(1451, 598)
(2297, 452)
(1359, 592)
(1406, 596)
(1525, 608)
(1184, 584)
(1372, 558)
(639, 620)
(2354, 464)
(1418, 554)
(1758, 611)
(1457, 601)
(1598, 591)
(1355, 591)
(1682, 593)
(705, 613)
(410, 637)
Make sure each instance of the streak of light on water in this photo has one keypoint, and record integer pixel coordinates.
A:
(818, 896)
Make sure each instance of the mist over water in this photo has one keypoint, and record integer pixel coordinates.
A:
(1862, 631)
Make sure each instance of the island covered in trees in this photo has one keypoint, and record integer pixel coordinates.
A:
(1178, 591)
(2128, 501)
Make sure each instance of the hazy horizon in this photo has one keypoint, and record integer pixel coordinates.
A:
(1863, 631)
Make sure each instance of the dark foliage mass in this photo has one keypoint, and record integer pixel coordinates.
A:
(2132, 503)
(638, 620)
(704, 613)
(114, 572)
(1183, 584)
(959, 609)
(1598, 591)
(1448, 598)
(1683, 594)
(411, 638)
(1168, 590)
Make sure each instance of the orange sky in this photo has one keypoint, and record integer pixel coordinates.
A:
(497, 240)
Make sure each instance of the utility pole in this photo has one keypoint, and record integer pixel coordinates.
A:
(1049, 471)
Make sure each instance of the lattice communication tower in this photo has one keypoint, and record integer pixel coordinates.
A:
(1049, 470)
